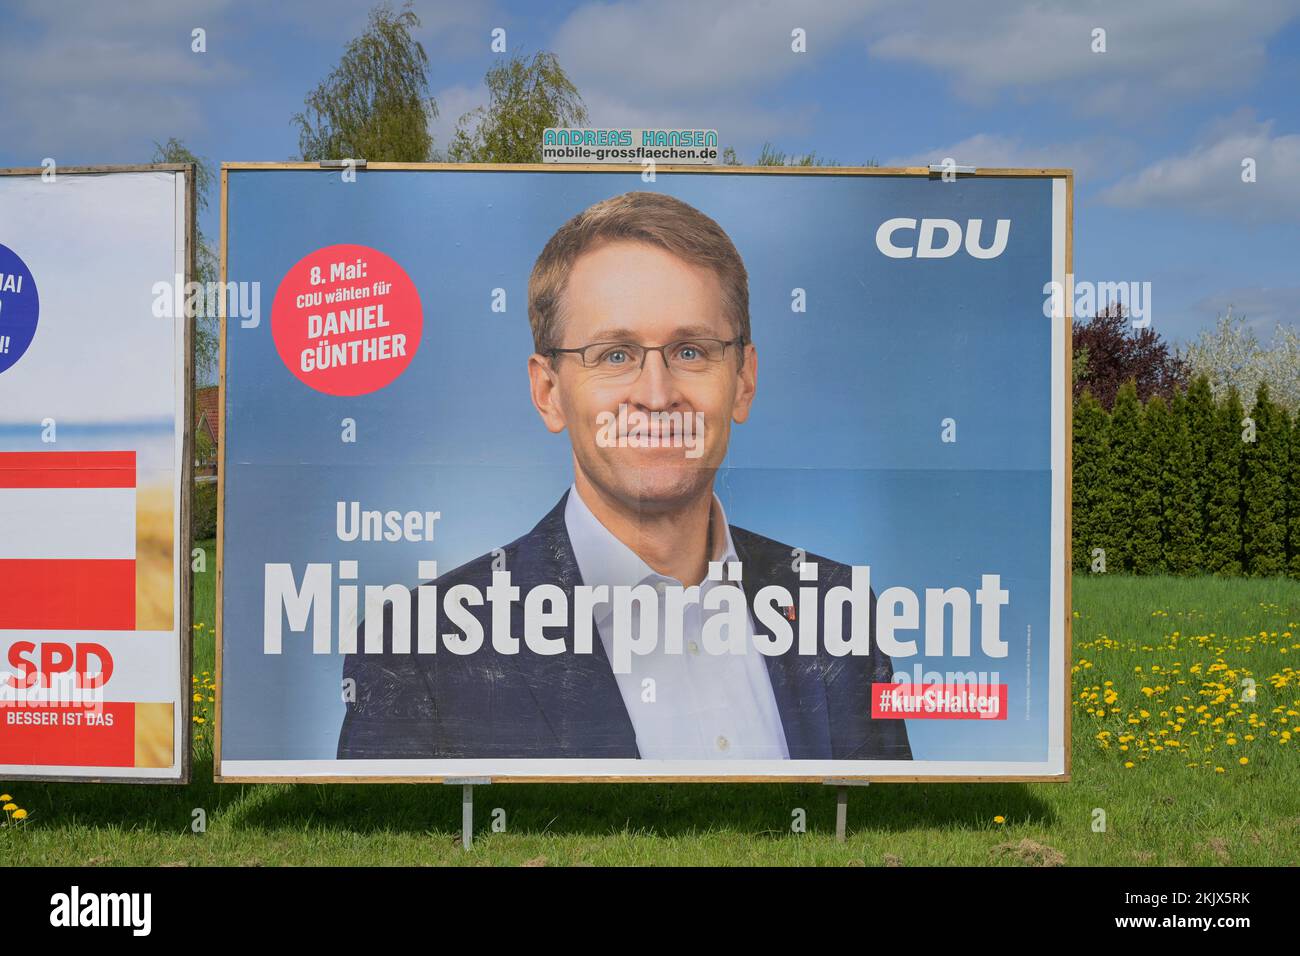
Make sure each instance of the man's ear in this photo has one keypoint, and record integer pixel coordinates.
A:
(544, 387)
(747, 378)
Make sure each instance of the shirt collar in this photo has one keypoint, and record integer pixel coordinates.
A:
(603, 559)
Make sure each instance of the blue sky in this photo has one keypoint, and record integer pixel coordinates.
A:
(1156, 127)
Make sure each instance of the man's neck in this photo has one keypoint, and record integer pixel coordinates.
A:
(678, 543)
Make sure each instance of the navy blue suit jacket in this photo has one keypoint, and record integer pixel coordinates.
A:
(490, 705)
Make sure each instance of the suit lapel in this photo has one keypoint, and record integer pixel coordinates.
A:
(797, 681)
(577, 694)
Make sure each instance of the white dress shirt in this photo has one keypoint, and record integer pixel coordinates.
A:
(702, 705)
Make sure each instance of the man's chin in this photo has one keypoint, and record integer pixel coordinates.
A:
(658, 482)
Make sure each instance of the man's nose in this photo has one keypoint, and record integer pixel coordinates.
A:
(655, 388)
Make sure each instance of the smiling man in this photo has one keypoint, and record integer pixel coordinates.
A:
(639, 309)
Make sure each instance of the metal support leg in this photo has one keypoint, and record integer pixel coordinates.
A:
(467, 785)
(842, 804)
(467, 816)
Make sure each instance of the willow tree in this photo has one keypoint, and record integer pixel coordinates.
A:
(206, 335)
(524, 98)
(375, 105)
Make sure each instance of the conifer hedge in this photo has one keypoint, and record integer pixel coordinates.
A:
(1189, 486)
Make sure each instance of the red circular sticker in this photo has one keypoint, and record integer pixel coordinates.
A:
(346, 320)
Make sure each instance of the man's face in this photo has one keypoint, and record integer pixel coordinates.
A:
(634, 293)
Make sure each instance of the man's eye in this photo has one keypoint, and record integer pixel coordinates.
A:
(689, 352)
(614, 357)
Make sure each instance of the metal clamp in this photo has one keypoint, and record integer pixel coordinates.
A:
(937, 169)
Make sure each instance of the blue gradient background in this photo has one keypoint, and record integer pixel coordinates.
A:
(842, 454)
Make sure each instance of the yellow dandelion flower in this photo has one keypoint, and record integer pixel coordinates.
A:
(999, 819)
(20, 814)
(1243, 761)
(10, 807)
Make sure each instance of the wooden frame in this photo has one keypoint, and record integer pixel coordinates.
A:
(184, 542)
(1067, 175)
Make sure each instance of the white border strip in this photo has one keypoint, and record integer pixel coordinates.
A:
(180, 731)
(94, 524)
(1056, 625)
(565, 767)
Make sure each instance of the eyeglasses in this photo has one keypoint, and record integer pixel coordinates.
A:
(624, 360)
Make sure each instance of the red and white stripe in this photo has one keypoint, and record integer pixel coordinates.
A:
(67, 540)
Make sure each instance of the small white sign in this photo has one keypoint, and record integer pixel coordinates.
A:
(695, 147)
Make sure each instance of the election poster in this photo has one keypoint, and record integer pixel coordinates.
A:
(602, 472)
(94, 586)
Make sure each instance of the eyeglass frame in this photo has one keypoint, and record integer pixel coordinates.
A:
(647, 349)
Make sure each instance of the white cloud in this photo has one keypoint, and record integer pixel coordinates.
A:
(1088, 158)
(1155, 50)
(736, 122)
(675, 47)
(720, 61)
(685, 63)
(1262, 307)
(1208, 179)
(453, 103)
(91, 85)
(101, 79)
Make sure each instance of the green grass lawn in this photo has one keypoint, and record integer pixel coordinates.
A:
(1145, 647)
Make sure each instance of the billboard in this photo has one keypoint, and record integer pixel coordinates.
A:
(573, 474)
(94, 382)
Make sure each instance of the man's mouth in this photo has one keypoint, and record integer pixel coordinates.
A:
(633, 428)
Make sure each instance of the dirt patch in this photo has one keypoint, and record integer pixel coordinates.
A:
(1030, 853)
(1220, 848)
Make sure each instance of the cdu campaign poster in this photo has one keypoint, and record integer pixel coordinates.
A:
(545, 472)
(94, 666)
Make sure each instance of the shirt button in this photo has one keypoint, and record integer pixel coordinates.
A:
(693, 647)
(723, 743)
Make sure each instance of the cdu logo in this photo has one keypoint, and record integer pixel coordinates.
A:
(901, 238)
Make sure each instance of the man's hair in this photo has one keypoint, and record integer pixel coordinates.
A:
(652, 218)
